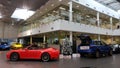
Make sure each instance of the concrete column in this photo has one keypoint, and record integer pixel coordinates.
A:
(31, 39)
(70, 18)
(111, 23)
(98, 23)
(70, 11)
(31, 34)
(44, 39)
(71, 37)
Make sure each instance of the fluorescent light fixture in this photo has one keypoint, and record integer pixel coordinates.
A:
(52, 5)
(22, 13)
(77, 6)
(0, 16)
(60, 0)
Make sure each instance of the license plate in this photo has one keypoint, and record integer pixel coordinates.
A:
(84, 47)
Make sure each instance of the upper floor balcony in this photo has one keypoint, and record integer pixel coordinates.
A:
(63, 25)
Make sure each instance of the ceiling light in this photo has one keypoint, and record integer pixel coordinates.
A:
(40, 12)
(62, 8)
(22, 13)
(54, 11)
(87, 16)
(49, 14)
(0, 16)
(60, 0)
(68, 2)
(77, 6)
(52, 5)
(1, 5)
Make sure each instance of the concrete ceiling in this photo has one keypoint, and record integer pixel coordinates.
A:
(7, 7)
(113, 4)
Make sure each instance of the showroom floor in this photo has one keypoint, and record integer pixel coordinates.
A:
(64, 62)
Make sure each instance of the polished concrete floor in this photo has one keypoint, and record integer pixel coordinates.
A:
(64, 62)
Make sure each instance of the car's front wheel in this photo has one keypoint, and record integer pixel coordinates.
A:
(14, 57)
(45, 57)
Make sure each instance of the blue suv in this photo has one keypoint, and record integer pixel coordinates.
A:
(92, 47)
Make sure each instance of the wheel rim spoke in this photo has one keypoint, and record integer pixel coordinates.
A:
(45, 57)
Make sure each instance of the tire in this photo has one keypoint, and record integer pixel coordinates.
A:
(97, 54)
(45, 57)
(110, 53)
(14, 57)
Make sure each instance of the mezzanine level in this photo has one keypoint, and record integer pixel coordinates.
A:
(63, 25)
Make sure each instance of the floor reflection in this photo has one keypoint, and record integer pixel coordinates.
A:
(64, 62)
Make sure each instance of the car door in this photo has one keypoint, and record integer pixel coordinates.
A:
(99, 46)
(30, 53)
(105, 47)
(26, 54)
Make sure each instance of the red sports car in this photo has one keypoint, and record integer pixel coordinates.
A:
(44, 54)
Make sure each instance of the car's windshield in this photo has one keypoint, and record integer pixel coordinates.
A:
(96, 42)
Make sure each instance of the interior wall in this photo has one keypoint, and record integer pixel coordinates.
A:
(8, 31)
(1, 29)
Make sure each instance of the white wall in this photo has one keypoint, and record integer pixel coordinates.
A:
(8, 31)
